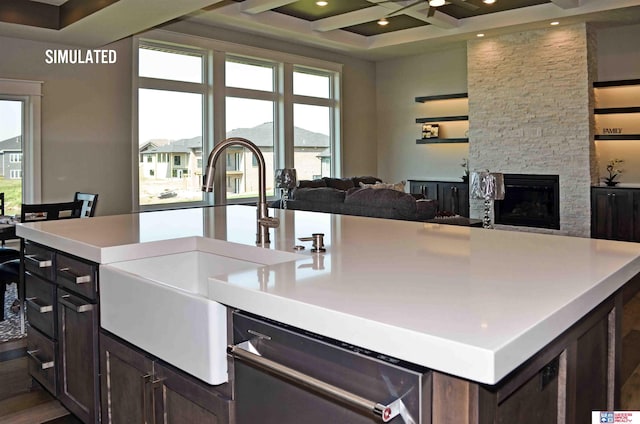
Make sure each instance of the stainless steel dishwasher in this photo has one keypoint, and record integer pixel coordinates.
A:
(286, 375)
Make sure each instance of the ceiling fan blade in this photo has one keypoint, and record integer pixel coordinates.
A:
(464, 4)
(406, 7)
(431, 12)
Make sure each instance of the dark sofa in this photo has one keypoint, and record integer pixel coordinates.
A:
(346, 196)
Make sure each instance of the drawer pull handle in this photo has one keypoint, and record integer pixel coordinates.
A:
(37, 304)
(39, 262)
(42, 364)
(79, 279)
(79, 307)
(386, 413)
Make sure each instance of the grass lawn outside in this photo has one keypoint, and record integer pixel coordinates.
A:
(12, 190)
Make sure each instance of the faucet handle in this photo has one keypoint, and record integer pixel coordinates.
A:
(318, 242)
(269, 222)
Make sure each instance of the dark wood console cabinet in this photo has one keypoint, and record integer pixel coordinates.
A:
(615, 213)
(451, 196)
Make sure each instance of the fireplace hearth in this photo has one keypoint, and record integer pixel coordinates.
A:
(530, 201)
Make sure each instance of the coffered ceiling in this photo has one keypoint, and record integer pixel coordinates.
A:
(342, 25)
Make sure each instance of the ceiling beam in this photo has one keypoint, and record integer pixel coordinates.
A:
(356, 17)
(566, 4)
(369, 14)
(259, 6)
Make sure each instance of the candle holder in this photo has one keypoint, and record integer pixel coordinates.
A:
(286, 180)
(488, 186)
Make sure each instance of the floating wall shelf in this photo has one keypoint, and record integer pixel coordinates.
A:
(609, 94)
(458, 105)
(441, 140)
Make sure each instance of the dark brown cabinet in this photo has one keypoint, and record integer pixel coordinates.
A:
(451, 196)
(614, 213)
(137, 388)
(62, 310)
(77, 352)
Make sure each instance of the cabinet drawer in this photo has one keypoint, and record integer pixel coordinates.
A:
(39, 260)
(76, 275)
(40, 298)
(42, 364)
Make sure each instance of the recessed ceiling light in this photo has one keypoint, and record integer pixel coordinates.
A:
(555, 23)
(488, 1)
(322, 3)
(480, 35)
(383, 21)
(436, 3)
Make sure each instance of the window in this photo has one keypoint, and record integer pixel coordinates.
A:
(313, 124)
(20, 174)
(285, 104)
(171, 109)
(252, 119)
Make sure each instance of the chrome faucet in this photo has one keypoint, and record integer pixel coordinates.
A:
(264, 222)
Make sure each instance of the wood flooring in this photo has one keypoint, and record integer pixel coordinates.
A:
(21, 401)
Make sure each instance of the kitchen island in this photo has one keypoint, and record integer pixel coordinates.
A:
(491, 313)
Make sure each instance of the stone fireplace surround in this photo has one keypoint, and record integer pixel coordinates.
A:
(530, 112)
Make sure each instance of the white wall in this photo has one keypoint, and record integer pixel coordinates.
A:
(86, 122)
(398, 82)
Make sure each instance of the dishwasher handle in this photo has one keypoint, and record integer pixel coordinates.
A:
(385, 412)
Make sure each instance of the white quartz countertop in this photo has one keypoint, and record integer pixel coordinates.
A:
(470, 302)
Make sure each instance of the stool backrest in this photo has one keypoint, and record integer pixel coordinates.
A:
(50, 211)
(89, 203)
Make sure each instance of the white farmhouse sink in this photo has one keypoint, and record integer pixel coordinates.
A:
(160, 304)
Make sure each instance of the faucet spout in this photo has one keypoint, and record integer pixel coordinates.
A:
(263, 221)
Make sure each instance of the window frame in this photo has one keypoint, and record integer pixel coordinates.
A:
(176, 86)
(30, 94)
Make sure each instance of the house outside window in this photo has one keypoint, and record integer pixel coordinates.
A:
(15, 157)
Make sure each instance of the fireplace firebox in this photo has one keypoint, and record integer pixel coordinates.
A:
(530, 201)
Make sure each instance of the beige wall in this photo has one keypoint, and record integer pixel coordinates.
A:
(87, 112)
(86, 122)
(398, 82)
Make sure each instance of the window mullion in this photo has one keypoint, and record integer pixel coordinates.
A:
(169, 85)
(287, 118)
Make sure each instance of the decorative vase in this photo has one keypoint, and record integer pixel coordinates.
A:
(611, 183)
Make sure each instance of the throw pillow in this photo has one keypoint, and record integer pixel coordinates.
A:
(365, 179)
(397, 186)
(311, 183)
(339, 183)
